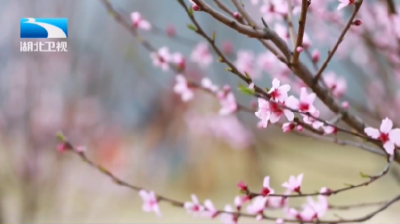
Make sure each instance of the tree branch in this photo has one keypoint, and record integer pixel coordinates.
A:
(300, 33)
(357, 7)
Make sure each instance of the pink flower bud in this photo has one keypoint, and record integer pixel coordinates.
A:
(315, 55)
(299, 128)
(345, 105)
(357, 22)
(227, 47)
(236, 15)
(299, 49)
(171, 32)
(326, 191)
(242, 186)
(196, 7)
(226, 88)
(63, 147)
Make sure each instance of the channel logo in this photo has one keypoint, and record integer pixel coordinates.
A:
(44, 28)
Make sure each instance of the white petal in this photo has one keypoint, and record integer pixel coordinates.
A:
(372, 132)
(386, 125)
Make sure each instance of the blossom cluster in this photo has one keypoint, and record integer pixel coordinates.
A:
(292, 102)
(256, 205)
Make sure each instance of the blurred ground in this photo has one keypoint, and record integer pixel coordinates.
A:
(90, 197)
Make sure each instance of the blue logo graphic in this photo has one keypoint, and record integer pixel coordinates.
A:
(44, 27)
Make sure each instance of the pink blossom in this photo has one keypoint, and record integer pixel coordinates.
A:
(263, 112)
(245, 63)
(238, 202)
(194, 207)
(279, 221)
(242, 186)
(272, 112)
(279, 92)
(305, 104)
(315, 55)
(210, 211)
(294, 183)
(289, 126)
(345, 105)
(227, 47)
(266, 190)
(202, 55)
(278, 202)
(257, 206)
(344, 3)
(181, 87)
(161, 58)
(277, 111)
(306, 41)
(228, 218)
(292, 213)
(312, 121)
(388, 136)
(254, 2)
(207, 84)
(139, 22)
(179, 60)
(228, 103)
(336, 84)
(273, 10)
(226, 128)
(315, 209)
(171, 31)
(150, 203)
(328, 129)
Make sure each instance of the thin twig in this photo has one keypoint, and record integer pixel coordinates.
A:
(118, 181)
(289, 19)
(357, 7)
(226, 9)
(391, 6)
(300, 33)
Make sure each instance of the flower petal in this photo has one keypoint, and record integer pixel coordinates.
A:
(386, 125)
(372, 132)
(389, 147)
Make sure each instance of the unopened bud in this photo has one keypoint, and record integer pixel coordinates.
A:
(236, 15)
(171, 32)
(345, 105)
(357, 22)
(299, 49)
(196, 7)
(315, 55)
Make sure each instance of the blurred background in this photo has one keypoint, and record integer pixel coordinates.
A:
(106, 95)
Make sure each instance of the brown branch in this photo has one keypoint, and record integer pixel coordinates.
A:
(289, 19)
(371, 178)
(391, 6)
(245, 29)
(333, 192)
(363, 146)
(226, 9)
(357, 7)
(118, 181)
(300, 33)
